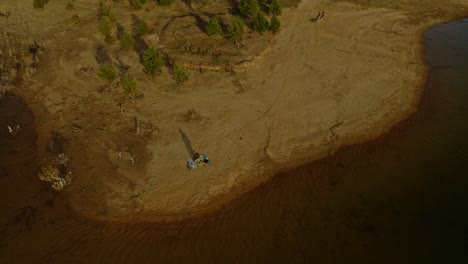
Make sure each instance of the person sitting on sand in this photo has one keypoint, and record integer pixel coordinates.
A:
(198, 161)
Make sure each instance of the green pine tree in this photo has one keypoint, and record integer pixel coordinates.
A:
(105, 27)
(260, 23)
(126, 41)
(236, 29)
(180, 74)
(142, 28)
(129, 85)
(213, 27)
(152, 60)
(248, 7)
(107, 72)
(275, 24)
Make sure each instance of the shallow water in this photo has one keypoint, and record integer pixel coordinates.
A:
(400, 199)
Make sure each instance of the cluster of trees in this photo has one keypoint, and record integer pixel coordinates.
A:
(252, 7)
(234, 31)
(108, 73)
(255, 10)
(126, 39)
(252, 10)
(153, 61)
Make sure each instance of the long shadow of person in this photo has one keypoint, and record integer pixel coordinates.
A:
(186, 140)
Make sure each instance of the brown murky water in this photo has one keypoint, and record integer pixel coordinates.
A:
(400, 199)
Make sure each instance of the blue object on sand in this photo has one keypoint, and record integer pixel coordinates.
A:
(205, 157)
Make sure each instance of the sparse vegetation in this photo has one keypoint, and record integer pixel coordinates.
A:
(213, 27)
(275, 24)
(248, 7)
(39, 3)
(236, 29)
(190, 115)
(105, 11)
(76, 19)
(126, 41)
(142, 28)
(152, 60)
(180, 74)
(108, 73)
(136, 4)
(165, 2)
(260, 23)
(129, 86)
(70, 6)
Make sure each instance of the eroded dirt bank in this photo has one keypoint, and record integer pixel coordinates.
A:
(342, 80)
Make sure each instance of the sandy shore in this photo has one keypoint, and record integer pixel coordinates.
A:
(345, 79)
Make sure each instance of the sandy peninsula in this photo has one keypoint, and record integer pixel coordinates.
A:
(310, 89)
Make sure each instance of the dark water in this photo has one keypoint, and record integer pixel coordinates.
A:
(400, 199)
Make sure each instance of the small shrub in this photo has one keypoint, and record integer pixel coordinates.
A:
(180, 74)
(152, 60)
(126, 41)
(213, 27)
(142, 28)
(105, 28)
(275, 24)
(260, 23)
(129, 86)
(236, 29)
(165, 2)
(248, 7)
(107, 72)
(76, 19)
(70, 6)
